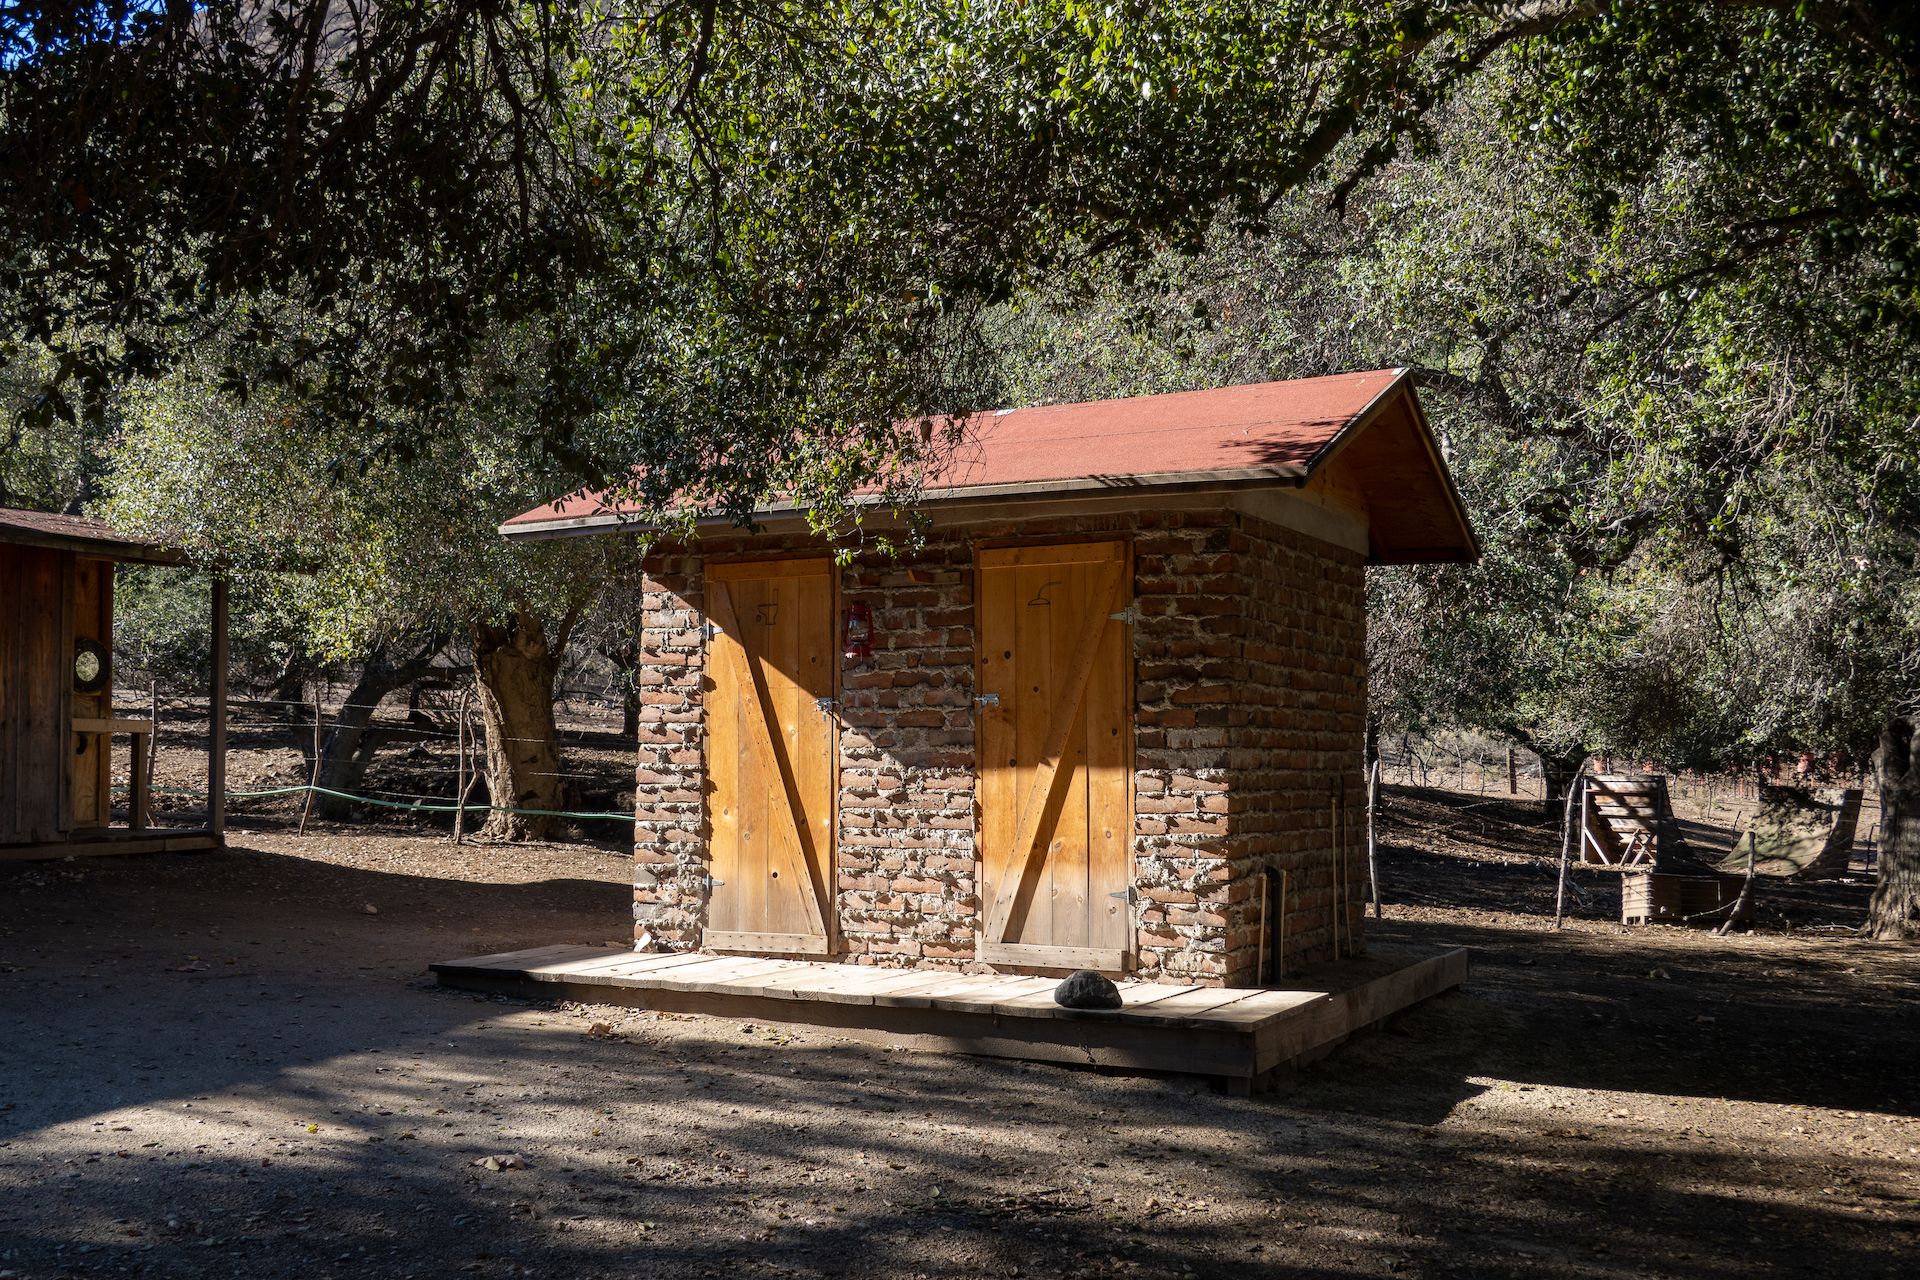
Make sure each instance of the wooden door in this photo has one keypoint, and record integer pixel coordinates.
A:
(1056, 756)
(770, 753)
(35, 676)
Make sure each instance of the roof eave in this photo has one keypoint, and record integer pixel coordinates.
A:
(1166, 482)
(1403, 383)
(95, 548)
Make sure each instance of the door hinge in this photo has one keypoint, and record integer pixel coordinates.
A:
(986, 699)
(1125, 895)
(713, 884)
(709, 629)
(1128, 615)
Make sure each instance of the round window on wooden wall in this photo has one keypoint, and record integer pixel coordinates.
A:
(89, 666)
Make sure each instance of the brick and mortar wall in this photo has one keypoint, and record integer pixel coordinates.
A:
(1249, 661)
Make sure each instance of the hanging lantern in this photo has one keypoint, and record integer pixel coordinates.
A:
(858, 630)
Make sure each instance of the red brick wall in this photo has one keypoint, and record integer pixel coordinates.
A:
(1249, 651)
(1297, 725)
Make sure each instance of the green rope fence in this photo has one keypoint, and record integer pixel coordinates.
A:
(392, 804)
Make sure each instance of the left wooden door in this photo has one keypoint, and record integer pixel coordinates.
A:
(770, 756)
(36, 755)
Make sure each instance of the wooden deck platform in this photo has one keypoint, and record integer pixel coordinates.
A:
(1242, 1036)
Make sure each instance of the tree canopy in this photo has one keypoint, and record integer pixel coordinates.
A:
(1655, 261)
(747, 236)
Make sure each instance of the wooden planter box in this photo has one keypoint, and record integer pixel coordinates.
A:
(1661, 897)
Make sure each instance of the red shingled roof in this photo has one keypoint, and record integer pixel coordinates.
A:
(1275, 428)
(1271, 433)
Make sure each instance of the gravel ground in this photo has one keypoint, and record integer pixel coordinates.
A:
(234, 1065)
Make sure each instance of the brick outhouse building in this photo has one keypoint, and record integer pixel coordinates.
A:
(1111, 716)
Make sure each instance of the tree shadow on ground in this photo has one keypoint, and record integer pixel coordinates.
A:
(717, 1153)
(704, 1147)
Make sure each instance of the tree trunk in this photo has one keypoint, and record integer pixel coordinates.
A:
(1895, 909)
(1559, 771)
(516, 671)
(347, 748)
(289, 691)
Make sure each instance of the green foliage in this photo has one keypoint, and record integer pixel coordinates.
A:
(55, 467)
(1699, 505)
(163, 628)
(361, 547)
(1654, 259)
(741, 242)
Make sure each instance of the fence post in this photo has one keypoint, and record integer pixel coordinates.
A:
(217, 717)
(1373, 804)
(306, 810)
(460, 769)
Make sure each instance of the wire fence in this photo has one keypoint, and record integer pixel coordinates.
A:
(425, 749)
(1729, 800)
(418, 752)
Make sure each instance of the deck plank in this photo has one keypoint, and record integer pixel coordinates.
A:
(849, 988)
(642, 968)
(1234, 1032)
(527, 957)
(1140, 994)
(986, 997)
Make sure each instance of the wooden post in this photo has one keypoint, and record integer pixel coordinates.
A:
(313, 779)
(1280, 946)
(1513, 774)
(1266, 925)
(460, 769)
(1373, 865)
(140, 793)
(1346, 876)
(217, 719)
(1743, 902)
(153, 714)
(1566, 840)
(1333, 871)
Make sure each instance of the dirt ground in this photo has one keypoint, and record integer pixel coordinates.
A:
(234, 1065)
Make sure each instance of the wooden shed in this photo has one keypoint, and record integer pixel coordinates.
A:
(1110, 715)
(59, 732)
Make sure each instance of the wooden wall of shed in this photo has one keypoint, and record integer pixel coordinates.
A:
(91, 603)
(1249, 652)
(35, 693)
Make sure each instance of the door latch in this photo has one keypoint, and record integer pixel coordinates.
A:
(986, 699)
(825, 706)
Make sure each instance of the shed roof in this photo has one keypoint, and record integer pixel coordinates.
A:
(1272, 434)
(82, 534)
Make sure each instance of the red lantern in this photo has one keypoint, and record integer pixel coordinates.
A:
(859, 632)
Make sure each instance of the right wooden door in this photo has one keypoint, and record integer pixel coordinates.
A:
(1056, 756)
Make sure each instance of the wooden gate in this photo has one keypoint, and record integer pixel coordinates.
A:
(770, 754)
(1056, 756)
